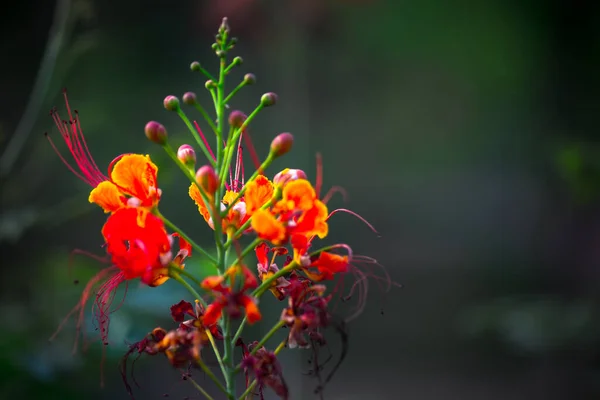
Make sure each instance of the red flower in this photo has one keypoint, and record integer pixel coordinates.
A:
(135, 252)
(138, 252)
(231, 300)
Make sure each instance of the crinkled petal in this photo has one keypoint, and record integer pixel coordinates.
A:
(107, 196)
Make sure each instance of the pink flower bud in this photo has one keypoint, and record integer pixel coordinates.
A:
(156, 132)
(207, 179)
(237, 118)
(187, 155)
(288, 175)
(171, 103)
(249, 79)
(268, 99)
(282, 144)
(189, 98)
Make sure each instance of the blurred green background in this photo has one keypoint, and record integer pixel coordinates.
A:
(466, 132)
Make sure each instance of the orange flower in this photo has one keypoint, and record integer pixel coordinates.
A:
(132, 177)
(298, 212)
(132, 182)
(257, 192)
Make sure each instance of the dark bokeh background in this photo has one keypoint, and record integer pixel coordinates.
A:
(466, 132)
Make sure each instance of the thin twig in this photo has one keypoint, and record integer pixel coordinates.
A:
(38, 93)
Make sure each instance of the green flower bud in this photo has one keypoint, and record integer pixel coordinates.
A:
(195, 66)
(171, 103)
(249, 79)
(268, 99)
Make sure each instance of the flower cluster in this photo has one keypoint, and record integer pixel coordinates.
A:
(278, 217)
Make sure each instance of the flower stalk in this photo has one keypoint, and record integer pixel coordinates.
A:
(255, 216)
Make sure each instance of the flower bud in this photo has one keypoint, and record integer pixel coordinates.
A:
(268, 99)
(210, 84)
(220, 53)
(207, 179)
(215, 46)
(249, 79)
(224, 28)
(282, 144)
(189, 98)
(288, 175)
(237, 118)
(171, 103)
(156, 132)
(195, 66)
(237, 61)
(187, 155)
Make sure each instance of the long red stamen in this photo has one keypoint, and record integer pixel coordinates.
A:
(72, 134)
(251, 149)
(371, 227)
(332, 191)
(204, 140)
(238, 165)
(319, 179)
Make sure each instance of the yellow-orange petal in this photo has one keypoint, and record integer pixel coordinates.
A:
(229, 197)
(258, 192)
(159, 276)
(321, 226)
(135, 175)
(297, 195)
(212, 282)
(251, 308)
(107, 196)
(267, 227)
(197, 197)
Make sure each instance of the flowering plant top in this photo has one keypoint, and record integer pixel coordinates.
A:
(283, 217)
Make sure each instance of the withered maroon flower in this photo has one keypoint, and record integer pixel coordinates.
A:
(182, 309)
(306, 311)
(267, 370)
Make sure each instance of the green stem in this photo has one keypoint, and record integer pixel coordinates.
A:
(217, 353)
(200, 388)
(266, 284)
(174, 274)
(262, 342)
(195, 246)
(206, 73)
(194, 132)
(206, 117)
(228, 357)
(238, 333)
(212, 376)
(233, 139)
(250, 248)
(234, 91)
(254, 382)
